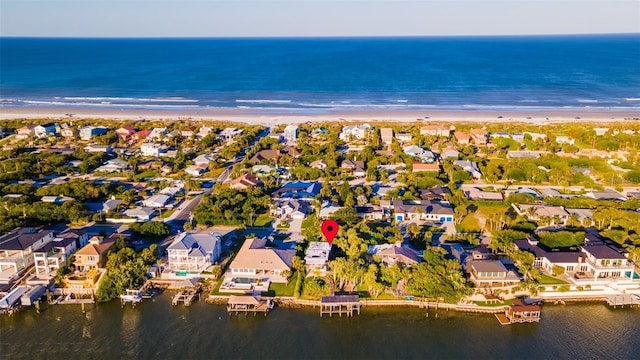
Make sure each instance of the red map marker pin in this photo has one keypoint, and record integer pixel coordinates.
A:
(330, 229)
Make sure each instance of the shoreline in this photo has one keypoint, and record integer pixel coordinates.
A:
(275, 117)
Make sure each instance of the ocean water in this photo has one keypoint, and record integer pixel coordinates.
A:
(323, 74)
(156, 330)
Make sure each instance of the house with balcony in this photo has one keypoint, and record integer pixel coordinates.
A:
(490, 273)
(49, 258)
(229, 134)
(607, 262)
(94, 254)
(358, 132)
(479, 136)
(193, 253)
(257, 261)
(290, 133)
(422, 210)
(25, 131)
(87, 132)
(126, 132)
(436, 130)
(370, 212)
(16, 251)
(151, 149)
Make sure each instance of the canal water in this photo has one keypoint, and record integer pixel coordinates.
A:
(157, 330)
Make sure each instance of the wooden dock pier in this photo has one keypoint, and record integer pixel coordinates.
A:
(622, 300)
(519, 314)
(340, 304)
(248, 304)
(186, 296)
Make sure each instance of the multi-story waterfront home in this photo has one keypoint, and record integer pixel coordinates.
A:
(193, 253)
(16, 250)
(94, 254)
(256, 261)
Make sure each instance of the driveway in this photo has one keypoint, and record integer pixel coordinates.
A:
(295, 228)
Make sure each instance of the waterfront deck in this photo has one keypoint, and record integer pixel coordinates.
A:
(186, 296)
(622, 300)
(519, 314)
(340, 304)
(248, 304)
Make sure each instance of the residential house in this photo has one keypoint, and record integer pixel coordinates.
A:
(204, 131)
(404, 137)
(562, 139)
(596, 261)
(555, 193)
(94, 254)
(263, 170)
(229, 134)
(490, 273)
(96, 148)
(513, 154)
(395, 254)
(354, 132)
(172, 191)
(449, 153)
(601, 131)
(500, 134)
(193, 253)
(418, 167)
(16, 250)
(469, 166)
(256, 261)
(291, 209)
(245, 181)
(141, 135)
(437, 193)
(87, 132)
(479, 194)
(370, 212)
(607, 194)
(113, 165)
(462, 138)
(55, 199)
(151, 149)
(43, 130)
(318, 164)
(141, 213)
(53, 255)
(158, 134)
(479, 136)
(291, 133)
(204, 159)
(188, 132)
(355, 167)
(519, 137)
(271, 154)
(422, 210)
(386, 135)
(126, 132)
(556, 214)
(435, 130)
(25, 131)
(298, 189)
(111, 205)
(79, 235)
(327, 209)
(196, 170)
(156, 201)
(316, 257)
(67, 131)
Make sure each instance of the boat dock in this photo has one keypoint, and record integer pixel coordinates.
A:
(132, 297)
(340, 304)
(622, 300)
(519, 314)
(248, 304)
(186, 296)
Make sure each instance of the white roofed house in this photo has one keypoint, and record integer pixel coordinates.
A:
(354, 132)
(141, 213)
(156, 201)
(229, 134)
(87, 132)
(193, 253)
(203, 159)
(404, 137)
(536, 212)
(469, 166)
(158, 134)
(422, 210)
(316, 257)
(294, 209)
(151, 149)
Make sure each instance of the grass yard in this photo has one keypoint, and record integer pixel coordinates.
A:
(263, 220)
(280, 289)
(550, 280)
(486, 303)
(166, 213)
(469, 224)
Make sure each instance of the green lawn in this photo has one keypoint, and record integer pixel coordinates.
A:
(550, 280)
(469, 224)
(166, 213)
(308, 222)
(280, 289)
(263, 220)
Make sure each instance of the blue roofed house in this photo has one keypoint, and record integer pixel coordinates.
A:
(298, 189)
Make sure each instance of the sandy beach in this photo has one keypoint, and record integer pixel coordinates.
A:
(274, 117)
